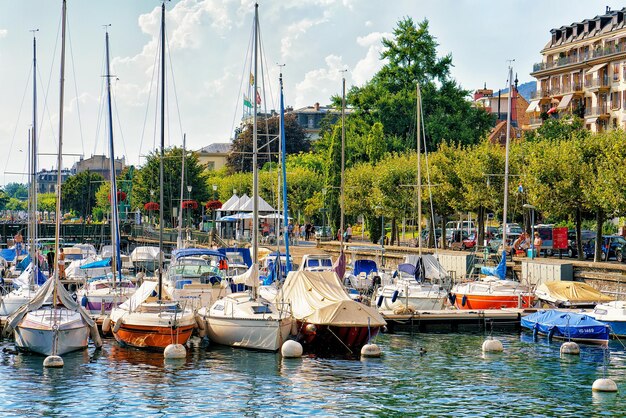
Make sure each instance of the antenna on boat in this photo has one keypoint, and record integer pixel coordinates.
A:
(343, 154)
(506, 163)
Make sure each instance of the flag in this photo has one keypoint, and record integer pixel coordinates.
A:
(340, 266)
(251, 79)
(258, 98)
(246, 101)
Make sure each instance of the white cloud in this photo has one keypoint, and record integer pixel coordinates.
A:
(320, 83)
(368, 23)
(3, 33)
(366, 67)
(294, 32)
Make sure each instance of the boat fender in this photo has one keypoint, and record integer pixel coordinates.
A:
(117, 326)
(83, 301)
(379, 303)
(464, 300)
(452, 298)
(394, 297)
(551, 333)
(200, 322)
(106, 325)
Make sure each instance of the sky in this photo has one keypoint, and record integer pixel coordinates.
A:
(208, 54)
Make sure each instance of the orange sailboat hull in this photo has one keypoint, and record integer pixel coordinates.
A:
(156, 338)
(492, 301)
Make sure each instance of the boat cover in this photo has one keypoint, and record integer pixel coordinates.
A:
(145, 254)
(97, 264)
(195, 252)
(566, 324)
(24, 278)
(141, 294)
(243, 252)
(430, 267)
(249, 278)
(8, 254)
(365, 266)
(573, 292)
(499, 271)
(320, 298)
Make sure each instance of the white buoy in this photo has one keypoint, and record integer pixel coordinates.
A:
(370, 350)
(311, 328)
(570, 347)
(56, 362)
(604, 385)
(291, 349)
(175, 351)
(492, 346)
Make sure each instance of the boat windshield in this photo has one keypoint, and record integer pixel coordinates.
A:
(192, 270)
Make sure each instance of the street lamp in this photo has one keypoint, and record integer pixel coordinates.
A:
(532, 227)
(214, 198)
(189, 188)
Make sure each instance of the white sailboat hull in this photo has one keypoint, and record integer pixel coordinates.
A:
(419, 298)
(39, 333)
(258, 334)
(12, 301)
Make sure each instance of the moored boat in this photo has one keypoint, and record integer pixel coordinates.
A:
(567, 294)
(613, 314)
(567, 326)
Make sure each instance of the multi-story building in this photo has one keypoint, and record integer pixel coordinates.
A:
(47, 179)
(213, 156)
(583, 71)
(310, 117)
(99, 164)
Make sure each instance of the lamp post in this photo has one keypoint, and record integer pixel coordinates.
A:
(189, 188)
(214, 198)
(532, 228)
(323, 210)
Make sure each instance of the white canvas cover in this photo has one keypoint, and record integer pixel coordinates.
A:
(74, 271)
(249, 278)
(320, 298)
(140, 295)
(432, 268)
(263, 206)
(145, 254)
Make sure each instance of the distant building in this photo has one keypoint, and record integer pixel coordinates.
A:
(99, 164)
(583, 71)
(498, 105)
(213, 156)
(310, 117)
(47, 179)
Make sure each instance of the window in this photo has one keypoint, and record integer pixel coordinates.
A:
(615, 100)
(210, 166)
(615, 72)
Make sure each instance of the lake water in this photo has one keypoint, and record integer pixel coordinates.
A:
(452, 377)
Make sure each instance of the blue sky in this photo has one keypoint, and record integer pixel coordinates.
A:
(208, 41)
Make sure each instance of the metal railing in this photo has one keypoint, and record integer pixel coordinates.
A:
(596, 82)
(596, 111)
(577, 59)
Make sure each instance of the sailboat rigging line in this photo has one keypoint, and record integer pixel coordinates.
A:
(430, 191)
(101, 103)
(119, 124)
(243, 80)
(335, 335)
(173, 83)
(80, 125)
(19, 113)
(145, 120)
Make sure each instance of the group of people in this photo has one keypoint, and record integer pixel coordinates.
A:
(522, 244)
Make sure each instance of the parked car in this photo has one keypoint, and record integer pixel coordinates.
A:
(610, 246)
(572, 247)
(496, 241)
(512, 228)
(469, 242)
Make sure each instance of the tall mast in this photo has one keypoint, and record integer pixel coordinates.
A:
(255, 173)
(33, 168)
(419, 167)
(57, 226)
(506, 162)
(343, 159)
(179, 238)
(116, 261)
(162, 153)
(283, 154)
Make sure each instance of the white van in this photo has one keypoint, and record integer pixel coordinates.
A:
(462, 225)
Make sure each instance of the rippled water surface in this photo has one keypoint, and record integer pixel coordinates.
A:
(452, 377)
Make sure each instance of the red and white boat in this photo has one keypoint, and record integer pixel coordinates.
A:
(329, 321)
(492, 293)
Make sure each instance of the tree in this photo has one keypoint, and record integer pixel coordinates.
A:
(78, 192)
(268, 130)
(16, 190)
(16, 204)
(4, 199)
(47, 202)
(146, 179)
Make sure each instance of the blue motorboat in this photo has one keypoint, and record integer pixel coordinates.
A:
(567, 326)
(613, 314)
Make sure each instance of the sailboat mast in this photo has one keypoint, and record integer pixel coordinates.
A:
(179, 238)
(57, 226)
(255, 173)
(418, 125)
(283, 155)
(162, 153)
(33, 168)
(506, 162)
(116, 265)
(343, 159)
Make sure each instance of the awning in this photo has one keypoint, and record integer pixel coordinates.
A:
(565, 101)
(595, 68)
(533, 106)
(591, 120)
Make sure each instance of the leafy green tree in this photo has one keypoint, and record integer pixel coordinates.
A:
(16, 190)
(146, 179)
(78, 192)
(47, 202)
(240, 158)
(362, 196)
(4, 199)
(16, 204)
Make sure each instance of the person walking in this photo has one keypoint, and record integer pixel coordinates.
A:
(61, 263)
(349, 233)
(537, 243)
(50, 261)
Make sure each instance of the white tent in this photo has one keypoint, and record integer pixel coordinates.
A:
(263, 206)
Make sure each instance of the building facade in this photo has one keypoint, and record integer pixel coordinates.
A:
(213, 156)
(99, 164)
(310, 117)
(47, 179)
(583, 71)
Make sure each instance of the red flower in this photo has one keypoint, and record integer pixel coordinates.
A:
(213, 204)
(190, 204)
(151, 206)
(121, 196)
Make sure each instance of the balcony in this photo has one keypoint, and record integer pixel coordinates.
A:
(597, 111)
(569, 88)
(535, 121)
(577, 59)
(597, 83)
(539, 94)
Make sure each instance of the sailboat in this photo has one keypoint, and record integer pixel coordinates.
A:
(142, 322)
(414, 288)
(244, 319)
(62, 326)
(100, 294)
(493, 291)
(30, 279)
